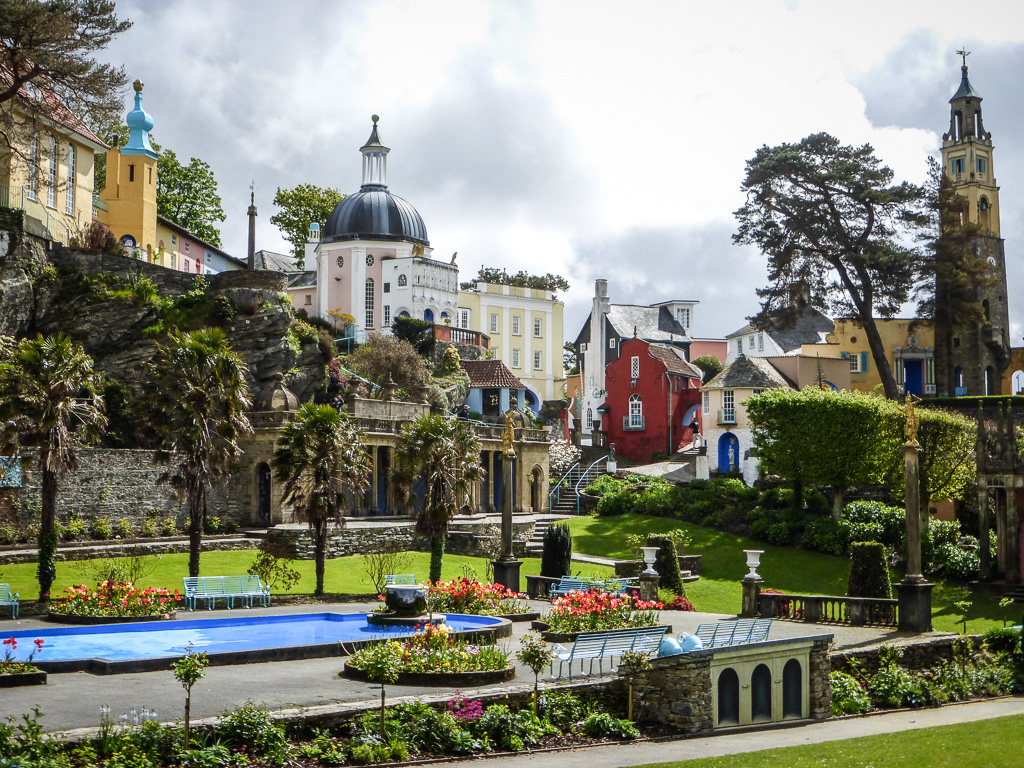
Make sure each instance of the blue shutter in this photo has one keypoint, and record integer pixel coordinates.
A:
(844, 355)
(863, 362)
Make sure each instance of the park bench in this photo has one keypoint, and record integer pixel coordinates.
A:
(737, 632)
(568, 584)
(6, 598)
(606, 645)
(209, 589)
(400, 578)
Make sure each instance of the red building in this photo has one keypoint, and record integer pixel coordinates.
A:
(653, 395)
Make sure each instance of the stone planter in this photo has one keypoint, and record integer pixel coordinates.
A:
(588, 503)
(458, 680)
(65, 618)
(23, 678)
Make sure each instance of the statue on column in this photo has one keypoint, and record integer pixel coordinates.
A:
(913, 422)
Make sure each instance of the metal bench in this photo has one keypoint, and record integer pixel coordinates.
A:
(606, 645)
(567, 585)
(6, 598)
(737, 632)
(400, 578)
(209, 589)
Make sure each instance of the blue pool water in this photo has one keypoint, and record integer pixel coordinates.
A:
(158, 640)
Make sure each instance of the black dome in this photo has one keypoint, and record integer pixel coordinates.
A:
(374, 214)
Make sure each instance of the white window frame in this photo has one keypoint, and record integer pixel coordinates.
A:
(590, 418)
(515, 325)
(538, 328)
(387, 315)
(494, 323)
(634, 367)
(515, 358)
(538, 360)
(611, 343)
(33, 168)
(464, 317)
(69, 197)
(309, 299)
(854, 362)
(750, 343)
(707, 402)
(636, 411)
(186, 246)
(760, 342)
(51, 176)
(368, 303)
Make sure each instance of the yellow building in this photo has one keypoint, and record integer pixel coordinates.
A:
(49, 172)
(526, 332)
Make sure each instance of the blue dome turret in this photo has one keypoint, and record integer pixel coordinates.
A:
(140, 123)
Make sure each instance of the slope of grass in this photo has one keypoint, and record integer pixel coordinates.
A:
(996, 743)
(790, 570)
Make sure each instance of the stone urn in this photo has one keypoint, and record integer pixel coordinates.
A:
(406, 600)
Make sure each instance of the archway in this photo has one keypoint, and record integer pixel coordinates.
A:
(263, 493)
(728, 452)
(1017, 383)
(428, 315)
(728, 697)
(761, 695)
(536, 489)
(792, 690)
(383, 472)
(532, 401)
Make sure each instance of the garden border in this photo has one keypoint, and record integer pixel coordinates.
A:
(457, 679)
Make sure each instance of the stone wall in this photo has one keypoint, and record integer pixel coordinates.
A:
(67, 552)
(917, 654)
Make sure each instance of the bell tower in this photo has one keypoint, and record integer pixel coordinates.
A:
(978, 353)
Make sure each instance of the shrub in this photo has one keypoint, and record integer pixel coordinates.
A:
(892, 686)
(680, 603)
(511, 730)
(959, 563)
(101, 528)
(75, 528)
(888, 525)
(562, 456)
(150, 528)
(869, 574)
(211, 524)
(825, 535)
(778, 534)
(249, 727)
(666, 563)
(848, 697)
(168, 527)
(556, 560)
(601, 725)
(562, 709)
(124, 528)
(274, 569)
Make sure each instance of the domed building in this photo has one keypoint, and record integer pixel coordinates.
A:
(373, 259)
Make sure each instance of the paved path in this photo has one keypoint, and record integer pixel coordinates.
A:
(73, 700)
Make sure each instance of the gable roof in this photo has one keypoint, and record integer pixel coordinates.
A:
(490, 373)
(674, 359)
(302, 280)
(650, 323)
(792, 327)
(749, 373)
(55, 111)
(276, 262)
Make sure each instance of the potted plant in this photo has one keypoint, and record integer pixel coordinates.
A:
(14, 672)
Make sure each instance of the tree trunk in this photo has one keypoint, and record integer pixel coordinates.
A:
(320, 552)
(878, 354)
(47, 568)
(196, 518)
(838, 496)
(436, 559)
(798, 495)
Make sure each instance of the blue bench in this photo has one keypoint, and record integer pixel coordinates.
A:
(400, 578)
(209, 589)
(568, 584)
(6, 598)
(737, 632)
(606, 645)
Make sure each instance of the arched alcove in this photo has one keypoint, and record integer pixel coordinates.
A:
(761, 694)
(728, 697)
(792, 690)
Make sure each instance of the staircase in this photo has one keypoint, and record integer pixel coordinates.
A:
(565, 502)
(1015, 593)
(535, 546)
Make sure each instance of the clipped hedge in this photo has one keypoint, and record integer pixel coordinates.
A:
(869, 574)
(666, 563)
(556, 559)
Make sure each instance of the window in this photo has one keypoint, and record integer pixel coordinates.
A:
(515, 325)
(636, 412)
(387, 315)
(982, 165)
(131, 173)
(957, 165)
(750, 343)
(69, 198)
(515, 358)
(760, 342)
(683, 317)
(184, 265)
(402, 281)
(33, 169)
(369, 303)
(728, 415)
(739, 345)
(537, 363)
(855, 363)
(494, 323)
(463, 318)
(707, 402)
(309, 300)
(186, 246)
(174, 239)
(387, 287)
(590, 418)
(634, 367)
(51, 180)
(611, 343)
(538, 328)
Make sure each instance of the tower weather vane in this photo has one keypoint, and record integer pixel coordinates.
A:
(964, 53)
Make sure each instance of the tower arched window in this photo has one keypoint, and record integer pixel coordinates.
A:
(590, 418)
(369, 303)
(983, 213)
(402, 280)
(636, 412)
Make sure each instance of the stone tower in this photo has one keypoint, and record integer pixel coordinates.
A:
(978, 353)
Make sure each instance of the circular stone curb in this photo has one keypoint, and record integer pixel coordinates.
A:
(457, 679)
(67, 618)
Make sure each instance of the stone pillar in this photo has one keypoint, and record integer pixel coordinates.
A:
(702, 471)
(751, 597)
(984, 551)
(914, 593)
(649, 586)
(506, 567)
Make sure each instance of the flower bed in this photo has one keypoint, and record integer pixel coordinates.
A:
(594, 611)
(113, 599)
(435, 651)
(469, 596)
(13, 672)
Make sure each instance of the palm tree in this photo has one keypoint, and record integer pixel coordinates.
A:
(49, 398)
(199, 399)
(444, 454)
(318, 452)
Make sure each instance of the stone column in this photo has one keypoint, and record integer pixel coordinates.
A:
(984, 551)
(649, 586)
(506, 567)
(914, 593)
(751, 596)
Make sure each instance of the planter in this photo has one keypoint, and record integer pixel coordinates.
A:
(516, 617)
(569, 637)
(67, 618)
(459, 680)
(22, 678)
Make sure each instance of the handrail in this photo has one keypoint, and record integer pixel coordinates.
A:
(585, 476)
(352, 374)
(556, 493)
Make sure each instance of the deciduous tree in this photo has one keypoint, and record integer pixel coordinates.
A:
(710, 366)
(829, 216)
(387, 356)
(301, 206)
(187, 195)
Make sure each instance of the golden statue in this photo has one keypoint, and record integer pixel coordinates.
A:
(912, 421)
(509, 435)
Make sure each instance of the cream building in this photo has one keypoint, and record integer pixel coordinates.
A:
(526, 333)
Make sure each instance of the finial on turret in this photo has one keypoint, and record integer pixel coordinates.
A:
(375, 118)
(137, 85)
(964, 53)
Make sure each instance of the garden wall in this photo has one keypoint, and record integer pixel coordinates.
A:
(917, 654)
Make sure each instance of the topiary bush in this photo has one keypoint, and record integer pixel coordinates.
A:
(556, 560)
(666, 563)
(869, 574)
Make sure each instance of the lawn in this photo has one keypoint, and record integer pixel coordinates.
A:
(996, 743)
(790, 570)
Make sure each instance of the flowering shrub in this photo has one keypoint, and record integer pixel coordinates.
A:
(597, 610)
(471, 597)
(8, 666)
(114, 598)
(435, 649)
(465, 710)
(680, 603)
(562, 455)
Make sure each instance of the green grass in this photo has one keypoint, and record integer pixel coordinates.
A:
(790, 570)
(996, 743)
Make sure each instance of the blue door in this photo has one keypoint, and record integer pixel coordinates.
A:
(428, 315)
(913, 377)
(728, 452)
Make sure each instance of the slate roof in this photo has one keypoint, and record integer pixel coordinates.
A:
(651, 323)
(965, 91)
(276, 262)
(53, 109)
(302, 280)
(674, 359)
(749, 373)
(791, 327)
(490, 373)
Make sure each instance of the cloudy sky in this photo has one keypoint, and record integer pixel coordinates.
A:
(592, 139)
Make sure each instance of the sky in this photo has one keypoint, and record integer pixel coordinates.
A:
(589, 139)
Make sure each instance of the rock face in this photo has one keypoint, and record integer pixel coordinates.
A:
(22, 266)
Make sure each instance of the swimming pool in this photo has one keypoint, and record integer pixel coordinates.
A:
(141, 647)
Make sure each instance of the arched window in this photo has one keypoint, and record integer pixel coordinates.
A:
(590, 418)
(402, 280)
(51, 176)
(428, 315)
(69, 198)
(33, 167)
(369, 303)
(636, 412)
(983, 213)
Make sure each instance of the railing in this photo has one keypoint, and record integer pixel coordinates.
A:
(16, 197)
(593, 473)
(823, 609)
(461, 336)
(727, 416)
(356, 336)
(633, 423)
(563, 484)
